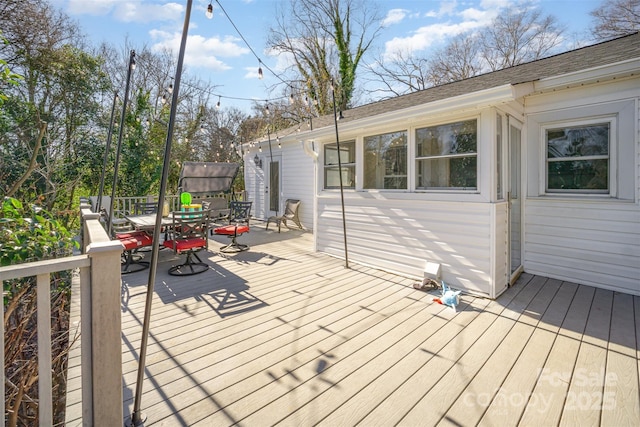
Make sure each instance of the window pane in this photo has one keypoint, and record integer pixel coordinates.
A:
(347, 153)
(447, 172)
(579, 175)
(385, 161)
(578, 158)
(446, 156)
(578, 141)
(442, 140)
(332, 177)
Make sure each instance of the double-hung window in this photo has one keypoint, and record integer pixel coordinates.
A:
(332, 170)
(578, 158)
(447, 156)
(385, 161)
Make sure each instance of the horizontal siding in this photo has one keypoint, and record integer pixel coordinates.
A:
(298, 171)
(403, 237)
(593, 243)
(297, 176)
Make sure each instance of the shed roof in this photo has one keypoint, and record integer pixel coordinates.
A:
(588, 57)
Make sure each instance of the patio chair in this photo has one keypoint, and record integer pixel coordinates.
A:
(132, 242)
(119, 224)
(188, 235)
(218, 208)
(144, 208)
(290, 213)
(239, 213)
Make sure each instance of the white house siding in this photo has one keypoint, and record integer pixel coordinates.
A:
(402, 236)
(588, 240)
(591, 243)
(297, 173)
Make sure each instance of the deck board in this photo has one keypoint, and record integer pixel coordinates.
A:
(279, 335)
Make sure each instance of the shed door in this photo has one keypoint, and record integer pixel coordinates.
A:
(515, 200)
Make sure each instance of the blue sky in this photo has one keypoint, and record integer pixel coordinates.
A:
(217, 54)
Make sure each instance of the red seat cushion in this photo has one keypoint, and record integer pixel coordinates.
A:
(137, 241)
(186, 244)
(232, 229)
(128, 234)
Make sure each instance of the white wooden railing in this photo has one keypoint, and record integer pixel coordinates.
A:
(101, 359)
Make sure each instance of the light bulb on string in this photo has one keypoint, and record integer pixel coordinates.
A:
(133, 60)
(218, 104)
(279, 144)
(170, 89)
(209, 12)
(202, 130)
(163, 99)
(260, 74)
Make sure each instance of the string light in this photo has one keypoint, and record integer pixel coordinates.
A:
(209, 13)
(133, 60)
(170, 89)
(218, 104)
(260, 74)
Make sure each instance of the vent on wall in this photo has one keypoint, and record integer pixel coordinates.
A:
(432, 271)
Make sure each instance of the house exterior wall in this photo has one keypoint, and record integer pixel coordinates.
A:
(297, 175)
(591, 239)
(402, 235)
(466, 232)
(587, 239)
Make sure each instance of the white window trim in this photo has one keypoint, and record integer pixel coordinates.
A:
(611, 119)
(412, 160)
(360, 150)
(353, 164)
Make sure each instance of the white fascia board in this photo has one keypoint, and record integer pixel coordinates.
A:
(470, 101)
(603, 73)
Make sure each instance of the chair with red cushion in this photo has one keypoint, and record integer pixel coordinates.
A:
(131, 242)
(188, 235)
(239, 213)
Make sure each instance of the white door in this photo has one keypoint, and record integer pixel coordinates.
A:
(515, 200)
(273, 184)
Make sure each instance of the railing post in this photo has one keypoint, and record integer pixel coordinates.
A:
(106, 347)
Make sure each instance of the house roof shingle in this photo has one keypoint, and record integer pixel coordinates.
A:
(609, 52)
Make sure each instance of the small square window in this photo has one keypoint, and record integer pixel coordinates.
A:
(578, 158)
(332, 169)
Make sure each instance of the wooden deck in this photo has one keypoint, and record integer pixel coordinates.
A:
(281, 335)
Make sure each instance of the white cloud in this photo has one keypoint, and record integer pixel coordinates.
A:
(128, 11)
(457, 21)
(394, 16)
(425, 37)
(200, 51)
(95, 7)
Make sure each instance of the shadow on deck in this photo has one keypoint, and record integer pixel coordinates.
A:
(281, 335)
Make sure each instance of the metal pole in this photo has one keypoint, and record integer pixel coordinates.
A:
(132, 57)
(137, 417)
(344, 220)
(270, 171)
(106, 152)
